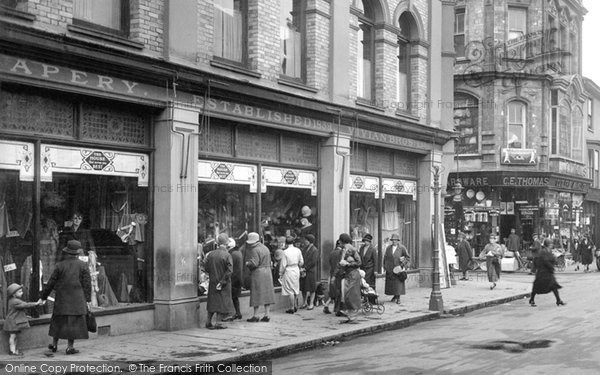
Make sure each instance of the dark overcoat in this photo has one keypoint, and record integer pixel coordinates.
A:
(219, 266)
(238, 271)
(393, 285)
(311, 261)
(586, 253)
(72, 282)
(368, 256)
(544, 282)
(335, 273)
(465, 253)
(261, 279)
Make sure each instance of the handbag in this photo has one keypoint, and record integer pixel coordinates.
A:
(90, 318)
(402, 276)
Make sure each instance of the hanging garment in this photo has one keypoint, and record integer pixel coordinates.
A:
(122, 291)
(9, 275)
(26, 271)
(92, 262)
(4, 221)
(390, 214)
(48, 248)
(106, 296)
(3, 285)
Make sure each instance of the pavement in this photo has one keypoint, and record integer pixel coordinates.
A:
(288, 333)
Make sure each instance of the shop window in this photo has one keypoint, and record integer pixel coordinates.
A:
(109, 216)
(366, 52)
(517, 30)
(466, 123)
(516, 124)
(230, 28)
(106, 15)
(364, 217)
(399, 213)
(293, 36)
(459, 32)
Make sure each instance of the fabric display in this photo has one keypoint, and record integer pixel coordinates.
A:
(92, 261)
(26, 272)
(106, 296)
(3, 285)
(4, 221)
(48, 247)
(122, 291)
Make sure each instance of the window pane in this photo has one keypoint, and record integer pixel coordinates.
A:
(228, 26)
(398, 217)
(459, 45)
(363, 217)
(105, 13)
(466, 124)
(291, 37)
(564, 137)
(517, 22)
(459, 22)
(365, 46)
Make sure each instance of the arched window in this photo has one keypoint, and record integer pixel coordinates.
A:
(108, 15)
(366, 51)
(292, 26)
(408, 31)
(577, 134)
(517, 115)
(564, 130)
(230, 24)
(466, 123)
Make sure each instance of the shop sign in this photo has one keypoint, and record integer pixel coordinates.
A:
(566, 184)
(365, 184)
(18, 156)
(568, 167)
(519, 156)
(402, 187)
(228, 173)
(286, 177)
(525, 181)
(93, 161)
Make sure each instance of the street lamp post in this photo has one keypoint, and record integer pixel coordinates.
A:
(436, 302)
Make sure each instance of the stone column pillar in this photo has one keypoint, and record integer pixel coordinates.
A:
(176, 219)
(334, 196)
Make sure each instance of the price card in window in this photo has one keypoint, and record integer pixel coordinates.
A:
(51, 299)
(10, 267)
(83, 258)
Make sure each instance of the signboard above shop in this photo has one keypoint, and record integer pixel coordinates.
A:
(525, 156)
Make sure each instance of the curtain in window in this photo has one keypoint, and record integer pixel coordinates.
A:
(228, 28)
(105, 13)
(564, 136)
(365, 45)
(577, 135)
(516, 124)
(517, 22)
(403, 75)
(291, 49)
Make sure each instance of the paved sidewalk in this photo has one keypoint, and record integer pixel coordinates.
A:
(285, 333)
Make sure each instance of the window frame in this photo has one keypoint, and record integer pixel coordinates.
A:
(370, 23)
(303, 37)
(463, 12)
(522, 51)
(244, 61)
(470, 101)
(590, 115)
(523, 123)
(124, 24)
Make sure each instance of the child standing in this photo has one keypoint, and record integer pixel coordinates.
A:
(16, 320)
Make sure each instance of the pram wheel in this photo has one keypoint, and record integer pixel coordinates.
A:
(367, 308)
(380, 308)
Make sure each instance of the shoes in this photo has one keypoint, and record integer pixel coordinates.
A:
(339, 313)
(289, 311)
(532, 303)
(254, 319)
(310, 307)
(228, 319)
(493, 286)
(394, 299)
(52, 348)
(71, 351)
(304, 306)
(558, 303)
(15, 353)
(219, 326)
(295, 309)
(265, 319)
(237, 316)
(326, 310)
(463, 278)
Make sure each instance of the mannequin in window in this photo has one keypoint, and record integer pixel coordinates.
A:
(74, 230)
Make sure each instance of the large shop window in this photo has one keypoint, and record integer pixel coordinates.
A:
(364, 212)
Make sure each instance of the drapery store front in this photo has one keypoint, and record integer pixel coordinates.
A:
(94, 156)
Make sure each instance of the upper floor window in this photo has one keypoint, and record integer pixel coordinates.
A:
(291, 21)
(577, 134)
(590, 111)
(466, 123)
(407, 34)
(564, 130)
(108, 15)
(517, 112)
(230, 28)
(366, 52)
(517, 30)
(596, 168)
(459, 32)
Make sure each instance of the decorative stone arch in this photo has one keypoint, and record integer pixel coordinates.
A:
(381, 12)
(404, 6)
(577, 88)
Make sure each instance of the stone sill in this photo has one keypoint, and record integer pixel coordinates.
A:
(103, 36)
(283, 80)
(10, 12)
(233, 67)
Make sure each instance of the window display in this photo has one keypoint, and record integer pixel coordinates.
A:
(288, 211)
(363, 217)
(399, 216)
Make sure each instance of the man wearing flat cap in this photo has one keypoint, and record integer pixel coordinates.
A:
(368, 256)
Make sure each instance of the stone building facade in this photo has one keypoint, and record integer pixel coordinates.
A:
(163, 123)
(519, 121)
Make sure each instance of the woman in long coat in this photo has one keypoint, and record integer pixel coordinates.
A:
(465, 253)
(545, 282)
(219, 266)
(289, 271)
(261, 281)
(72, 282)
(395, 255)
(586, 251)
(350, 263)
(308, 283)
(493, 257)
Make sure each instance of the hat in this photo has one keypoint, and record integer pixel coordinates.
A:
(73, 247)
(395, 237)
(306, 211)
(252, 238)
(222, 239)
(12, 289)
(345, 238)
(547, 242)
(310, 238)
(289, 239)
(231, 243)
(367, 237)
(278, 254)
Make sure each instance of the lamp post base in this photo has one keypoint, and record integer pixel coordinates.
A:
(436, 303)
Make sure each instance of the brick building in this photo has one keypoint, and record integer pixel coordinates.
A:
(519, 106)
(160, 124)
(590, 219)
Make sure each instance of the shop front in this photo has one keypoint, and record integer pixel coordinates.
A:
(495, 203)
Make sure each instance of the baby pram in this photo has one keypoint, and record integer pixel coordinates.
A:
(370, 301)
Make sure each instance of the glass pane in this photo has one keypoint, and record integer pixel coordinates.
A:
(105, 13)
(515, 136)
(363, 217)
(109, 216)
(564, 137)
(399, 213)
(459, 45)
(228, 26)
(459, 22)
(517, 21)
(466, 123)
(291, 37)
(365, 48)
(16, 249)
(288, 211)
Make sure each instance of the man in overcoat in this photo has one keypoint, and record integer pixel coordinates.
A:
(219, 266)
(395, 255)
(465, 253)
(368, 256)
(258, 263)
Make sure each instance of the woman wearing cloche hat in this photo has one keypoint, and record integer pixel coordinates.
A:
(396, 257)
(16, 319)
(72, 283)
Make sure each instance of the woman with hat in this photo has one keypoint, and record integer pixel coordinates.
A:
(493, 257)
(308, 283)
(261, 280)
(72, 283)
(289, 272)
(396, 258)
(350, 263)
(368, 257)
(16, 318)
